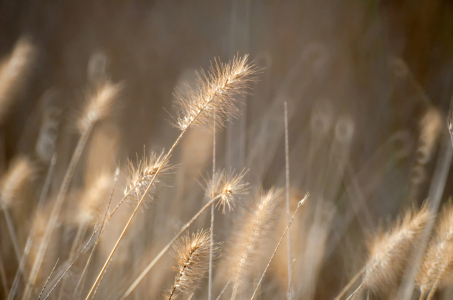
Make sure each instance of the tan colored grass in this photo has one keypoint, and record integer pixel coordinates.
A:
(436, 269)
(390, 251)
(192, 256)
(20, 173)
(14, 71)
(216, 92)
(256, 224)
(98, 104)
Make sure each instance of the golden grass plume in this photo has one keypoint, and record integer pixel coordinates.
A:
(437, 266)
(19, 174)
(192, 257)
(389, 252)
(99, 103)
(217, 92)
(257, 222)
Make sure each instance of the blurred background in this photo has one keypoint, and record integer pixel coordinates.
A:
(368, 86)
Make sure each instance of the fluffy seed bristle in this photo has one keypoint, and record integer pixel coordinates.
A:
(391, 251)
(192, 256)
(438, 261)
(98, 104)
(13, 72)
(19, 174)
(228, 186)
(141, 176)
(92, 199)
(216, 92)
(257, 223)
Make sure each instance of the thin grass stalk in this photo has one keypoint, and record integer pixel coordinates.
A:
(3, 276)
(104, 224)
(167, 156)
(79, 235)
(71, 264)
(356, 292)
(436, 190)
(42, 197)
(288, 237)
(224, 289)
(55, 211)
(165, 249)
(233, 81)
(47, 280)
(436, 284)
(422, 295)
(212, 216)
(12, 233)
(350, 283)
(301, 202)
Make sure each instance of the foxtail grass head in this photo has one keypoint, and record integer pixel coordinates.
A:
(192, 262)
(391, 251)
(217, 94)
(140, 177)
(20, 173)
(437, 265)
(98, 104)
(228, 186)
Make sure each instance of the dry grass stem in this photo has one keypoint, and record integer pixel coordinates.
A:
(198, 110)
(99, 104)
(301, 202)
(175, 238)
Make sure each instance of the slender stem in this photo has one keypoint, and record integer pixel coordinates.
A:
(436, 284)
(176, 283)
(3, 276)
(350, 283)
(288, 238)
(103, 225)
(167, 156)
(422, 295)
(12, 233)
(224, 289)
(71, 264)
(55, 212)
(278, 245)
(42, 197)
(212, 215)
(356, 292)
(79, 235)
(165, 249)
(47, 281)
